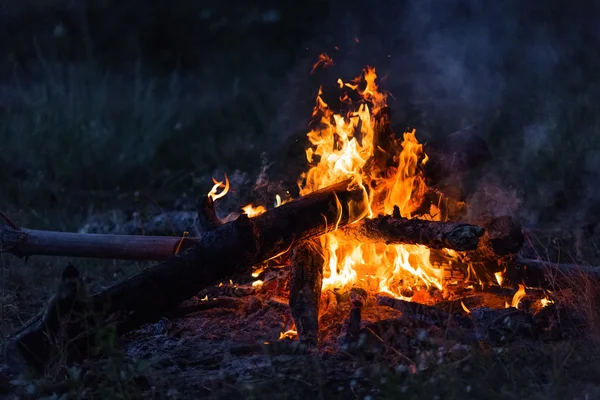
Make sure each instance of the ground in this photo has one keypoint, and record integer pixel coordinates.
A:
(136, 115)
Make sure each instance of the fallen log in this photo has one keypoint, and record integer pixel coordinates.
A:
(231, 248)
(25, 242)
(222, 251)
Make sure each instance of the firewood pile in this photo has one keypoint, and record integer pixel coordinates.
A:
(273, 270)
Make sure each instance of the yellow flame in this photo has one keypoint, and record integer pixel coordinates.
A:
(499, 278)
(257, 283)
(289, 334)
(213, 192)
(342, 147)
(252, 211)
(205, 298)
(546, 301)
(465, 307)
(518, 296)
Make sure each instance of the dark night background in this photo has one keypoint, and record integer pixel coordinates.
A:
(102, 94)
(113, 104)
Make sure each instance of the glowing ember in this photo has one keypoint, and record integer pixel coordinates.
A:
(518, 296)
(342, 148)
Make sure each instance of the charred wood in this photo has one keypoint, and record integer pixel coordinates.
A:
(393, 229)
(351, 327)
(306, 280)
(206, 215)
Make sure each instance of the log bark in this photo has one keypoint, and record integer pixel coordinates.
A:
(306, 280)
(25, 242)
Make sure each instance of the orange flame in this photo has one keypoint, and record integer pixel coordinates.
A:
(289, 334)
(342, 148)
(324, 61)
(518, 296)
(213, 192)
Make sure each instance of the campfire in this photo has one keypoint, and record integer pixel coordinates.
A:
(373, 245)
(376, 256)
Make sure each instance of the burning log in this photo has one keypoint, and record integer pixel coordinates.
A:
(393, 229)
(306, 280)
(389, 229)
(230, 248)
